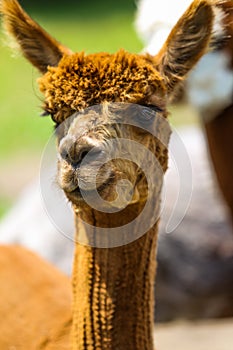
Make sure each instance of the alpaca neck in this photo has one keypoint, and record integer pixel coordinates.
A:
(113, 291)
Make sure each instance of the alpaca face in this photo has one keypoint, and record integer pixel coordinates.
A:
(74, 82)
(97, 151)
(101, 80)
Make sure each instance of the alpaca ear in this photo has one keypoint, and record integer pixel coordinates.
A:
(34, 42)
(191, 38)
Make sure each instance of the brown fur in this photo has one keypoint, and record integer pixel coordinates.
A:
(219, 133)
(112, 288)
(81, 81)
(36, 302)
(124, 77)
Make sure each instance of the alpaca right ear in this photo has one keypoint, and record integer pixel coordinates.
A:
(199, 28)
(35, 43)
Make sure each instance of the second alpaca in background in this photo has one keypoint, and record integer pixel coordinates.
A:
(209, 88)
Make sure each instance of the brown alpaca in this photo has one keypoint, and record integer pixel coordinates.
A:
(113, 287)
(36, 302)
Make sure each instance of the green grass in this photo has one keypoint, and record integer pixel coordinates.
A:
(21, 128)
(5, 204)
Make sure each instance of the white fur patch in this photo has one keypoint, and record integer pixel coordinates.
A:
(210, 85)
(218, 28)
(156, 18)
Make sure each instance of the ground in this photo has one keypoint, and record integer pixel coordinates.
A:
(208, 335)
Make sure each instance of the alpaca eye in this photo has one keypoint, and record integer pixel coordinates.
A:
(44, 114)
(148, 115)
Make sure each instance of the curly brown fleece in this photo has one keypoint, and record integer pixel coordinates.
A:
(80, 81)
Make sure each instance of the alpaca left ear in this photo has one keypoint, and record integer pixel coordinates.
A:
(35, 43)
(187, 42)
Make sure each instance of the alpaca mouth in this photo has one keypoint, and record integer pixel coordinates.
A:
(77, 194)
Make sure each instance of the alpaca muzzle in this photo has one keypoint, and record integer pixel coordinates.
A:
(82, 164)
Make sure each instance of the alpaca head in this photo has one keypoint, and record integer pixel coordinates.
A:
(72, 83)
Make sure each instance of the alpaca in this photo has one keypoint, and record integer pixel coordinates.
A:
(112, 287)
(209, 87)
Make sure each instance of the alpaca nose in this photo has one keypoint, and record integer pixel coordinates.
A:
(74, 152)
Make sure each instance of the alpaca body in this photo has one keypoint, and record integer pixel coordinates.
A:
(36, 312)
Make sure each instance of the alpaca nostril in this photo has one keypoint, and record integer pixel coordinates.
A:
(84, 154)
(75, 152)
(90, 154)
(64, 154)
(81, 153)
(67, 151)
